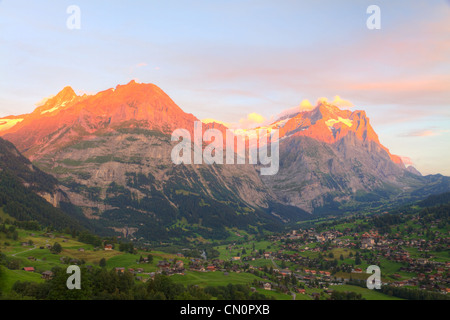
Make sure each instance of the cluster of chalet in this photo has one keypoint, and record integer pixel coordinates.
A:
(138, 272)
(167, 267)
(171, 266)
(47, 275)
(269, 286)
(314, 272)
(430, 282)
(309, 235)
(431, 275)
(368, 240)
(435, 275)
(213, 265)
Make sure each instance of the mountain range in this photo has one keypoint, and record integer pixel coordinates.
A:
(110, 155)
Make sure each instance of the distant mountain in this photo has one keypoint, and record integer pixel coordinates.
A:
(327, 123)
(330, 157)
(111, 154)
(435, 200)
(413, 170)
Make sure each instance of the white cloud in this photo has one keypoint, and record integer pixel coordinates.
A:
(338, 102)
(210, 120)
(322, 100)
(253, 120)
(305, 105)
(341, 103)
(43, 101)
(407, 161)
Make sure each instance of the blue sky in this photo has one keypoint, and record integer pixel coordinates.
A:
(228, 59)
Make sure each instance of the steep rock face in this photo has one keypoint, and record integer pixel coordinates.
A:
(327, 123)
(116, 156)
(314, 173)
(413, 170)
(329, 157)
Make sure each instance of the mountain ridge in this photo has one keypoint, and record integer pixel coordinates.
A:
(111, 153)
(28, 194)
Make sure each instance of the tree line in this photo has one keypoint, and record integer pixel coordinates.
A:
(103, 284)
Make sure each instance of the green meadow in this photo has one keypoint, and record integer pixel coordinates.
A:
(366, 293)
(9, 277)
(215, 278)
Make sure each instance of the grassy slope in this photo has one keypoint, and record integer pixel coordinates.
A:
(9, 277)
(366, 293)
(45, 260)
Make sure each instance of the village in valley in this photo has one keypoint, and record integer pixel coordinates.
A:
(305, 261)
(326, 259)
(308, 261)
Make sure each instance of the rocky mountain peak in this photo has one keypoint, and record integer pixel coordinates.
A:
(67, 118)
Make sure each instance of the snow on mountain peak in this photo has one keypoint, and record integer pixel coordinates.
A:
(332, 122)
